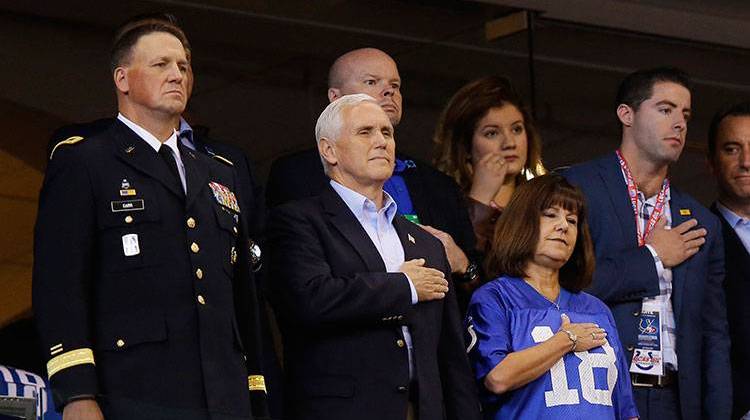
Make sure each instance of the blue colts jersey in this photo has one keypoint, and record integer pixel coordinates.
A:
(508, 315)
(22, 384)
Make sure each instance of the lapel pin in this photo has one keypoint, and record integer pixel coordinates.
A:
(411, 238)
(684, 212)
(129, 149)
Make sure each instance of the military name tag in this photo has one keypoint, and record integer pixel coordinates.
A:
(127, 205)
(130, 245)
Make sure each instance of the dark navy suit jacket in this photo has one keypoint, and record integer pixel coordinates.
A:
(341, 315)
(737, 287)
(626, 273)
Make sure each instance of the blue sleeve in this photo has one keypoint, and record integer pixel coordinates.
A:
(622, 395)
(488, 329)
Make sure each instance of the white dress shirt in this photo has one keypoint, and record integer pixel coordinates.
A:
(152, 141)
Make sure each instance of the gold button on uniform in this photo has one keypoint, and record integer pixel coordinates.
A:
(120, 343)
(195, 248)
(201, 300)
(400, 343)
(233, 257)
(128, 219)
(199, 273)
(191, 223)
(234, 230)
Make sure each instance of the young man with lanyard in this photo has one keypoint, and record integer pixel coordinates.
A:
(660, 262)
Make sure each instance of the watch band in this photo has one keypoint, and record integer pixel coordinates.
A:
(471, 274)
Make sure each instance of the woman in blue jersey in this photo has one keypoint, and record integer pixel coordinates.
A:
(539, 345)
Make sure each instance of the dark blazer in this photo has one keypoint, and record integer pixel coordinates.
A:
(626, 273)
(166, 340)
(436, 198)
(341, 316)
(737, 287)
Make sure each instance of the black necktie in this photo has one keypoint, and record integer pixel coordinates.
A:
(168, 156)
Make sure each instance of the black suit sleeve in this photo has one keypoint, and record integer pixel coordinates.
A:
(459, 389)
(465, 238)
(254, 198)
(301, 280)
(64, 248)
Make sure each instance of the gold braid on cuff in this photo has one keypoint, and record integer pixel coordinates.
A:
(69, 359)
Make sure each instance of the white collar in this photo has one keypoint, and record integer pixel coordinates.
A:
(150, 138)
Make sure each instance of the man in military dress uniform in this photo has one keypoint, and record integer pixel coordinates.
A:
(142, 289)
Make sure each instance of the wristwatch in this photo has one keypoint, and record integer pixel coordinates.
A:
(471, 273)
(255, 255)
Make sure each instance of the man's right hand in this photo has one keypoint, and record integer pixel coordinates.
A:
(673, 246)
(82, 410)
(429, 282)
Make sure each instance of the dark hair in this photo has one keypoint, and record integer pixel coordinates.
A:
(458, 121)
(741, 109)
(639, 86)
(128, 34)
(517, 231)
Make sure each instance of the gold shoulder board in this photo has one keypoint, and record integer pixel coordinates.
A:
(69, 140)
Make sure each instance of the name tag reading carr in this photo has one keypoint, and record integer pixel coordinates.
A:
(127, 205)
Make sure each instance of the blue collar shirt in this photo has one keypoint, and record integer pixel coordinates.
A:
(740, 225)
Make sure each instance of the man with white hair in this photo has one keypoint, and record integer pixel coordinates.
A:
(370, 322)
(424, 195)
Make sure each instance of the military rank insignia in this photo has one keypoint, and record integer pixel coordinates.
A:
(224, 196)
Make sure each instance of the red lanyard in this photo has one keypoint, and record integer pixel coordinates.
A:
(633, 195)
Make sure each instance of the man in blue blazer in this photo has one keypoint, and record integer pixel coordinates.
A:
(729, 158)
(651, 275)
(370, 322)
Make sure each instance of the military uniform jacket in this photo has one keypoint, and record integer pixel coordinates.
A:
(143, 294)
